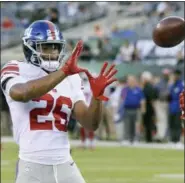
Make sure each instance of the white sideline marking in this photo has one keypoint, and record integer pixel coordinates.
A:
(111, 180)
(8, 181)
(5, 162)
(76, 143)
(170, 176)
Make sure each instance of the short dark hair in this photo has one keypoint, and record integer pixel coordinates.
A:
(177, 72)
(54, 10)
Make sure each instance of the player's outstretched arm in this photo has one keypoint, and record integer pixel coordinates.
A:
(36, 88)
(90, 117)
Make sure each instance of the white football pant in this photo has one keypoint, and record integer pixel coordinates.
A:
(36, 173)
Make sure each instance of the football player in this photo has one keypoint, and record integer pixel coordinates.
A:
(42, 94)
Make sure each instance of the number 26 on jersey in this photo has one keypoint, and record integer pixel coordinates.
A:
(51, 107)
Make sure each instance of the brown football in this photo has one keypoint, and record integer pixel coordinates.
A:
(169, 32)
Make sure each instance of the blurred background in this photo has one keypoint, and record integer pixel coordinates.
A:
(143, 109)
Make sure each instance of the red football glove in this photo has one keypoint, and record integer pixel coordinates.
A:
(70, 66)
(182, 104)
(98, 84)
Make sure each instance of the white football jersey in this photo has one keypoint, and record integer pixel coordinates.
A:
(40, 125)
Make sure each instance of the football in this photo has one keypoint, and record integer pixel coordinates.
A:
(169, 32)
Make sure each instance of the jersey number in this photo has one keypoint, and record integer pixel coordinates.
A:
(56, 111)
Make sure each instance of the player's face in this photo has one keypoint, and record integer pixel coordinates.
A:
(132, 81)
(175, 77)
(49, 51)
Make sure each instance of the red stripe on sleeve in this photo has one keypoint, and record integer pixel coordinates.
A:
(4, 73)
(10, 68)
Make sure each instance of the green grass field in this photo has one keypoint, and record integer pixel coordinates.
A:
(114, 165)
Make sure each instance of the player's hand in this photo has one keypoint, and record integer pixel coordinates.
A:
(70, 66)
(99, 83)
(182, 104)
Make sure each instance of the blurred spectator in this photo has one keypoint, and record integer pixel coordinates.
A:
(117, 96)
(25, 22)
(98, 31)
(162, 86)
(38, 14)
(53, 16)
(115, 103)
(82, 9)
(114, 29)
(86, 54)
(99, 48)
(133, 101)
(102, 4)
(180, 57)
(72, 8)
(174, 118)
(106, 49)
(7, 23)
(135, 54)
(70, 46)
(161, 105)
(150, 97)
(126, 53)
(107, 45)
(163, 9)
(175, 5)
(149, 8)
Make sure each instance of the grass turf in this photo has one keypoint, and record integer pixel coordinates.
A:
(113, 165)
